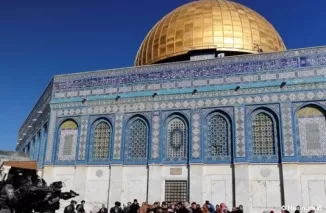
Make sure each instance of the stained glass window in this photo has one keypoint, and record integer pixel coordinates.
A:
(176, 138)
(312, 127)
(218, 136)
(138, 139)
(263, 135)
(102, 138)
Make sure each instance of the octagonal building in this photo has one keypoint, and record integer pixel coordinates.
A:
(215, 109)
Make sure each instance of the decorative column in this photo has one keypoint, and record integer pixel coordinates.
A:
(116, 158)
(196, 173)
(241, 168)
(116, 168)
(82, 147)
(291, 172)
(287, 132)
(240, 146)
(155, 191)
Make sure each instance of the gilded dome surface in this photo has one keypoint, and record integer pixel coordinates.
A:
(208, 24)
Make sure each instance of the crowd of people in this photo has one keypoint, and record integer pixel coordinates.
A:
(170, 207)
(165, 207)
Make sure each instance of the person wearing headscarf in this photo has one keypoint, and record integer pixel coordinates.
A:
(224, 208)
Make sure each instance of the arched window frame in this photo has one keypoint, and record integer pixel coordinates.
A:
(217, 159)
(127, 158)
(263, 158)
(166, 158)
(69, 158)
(320, 156)
(92, 141)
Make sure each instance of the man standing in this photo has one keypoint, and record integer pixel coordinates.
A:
(116, 208)
(71, 207)
(134, 207)
(80, 207)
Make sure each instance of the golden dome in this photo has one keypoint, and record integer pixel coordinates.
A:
(208, 24)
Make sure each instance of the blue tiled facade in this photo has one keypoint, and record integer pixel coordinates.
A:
(278, 84)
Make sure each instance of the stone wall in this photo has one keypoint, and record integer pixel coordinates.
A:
(257, 187)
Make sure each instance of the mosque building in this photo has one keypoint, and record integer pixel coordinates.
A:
(215, 108)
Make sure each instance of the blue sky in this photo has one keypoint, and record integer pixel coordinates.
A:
(39, 39)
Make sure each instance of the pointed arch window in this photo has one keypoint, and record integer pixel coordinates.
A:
(101, 140)
(263, 134)
(218, 136)
(136, 140)
(68, 134)
(312, 131)
(177, 138)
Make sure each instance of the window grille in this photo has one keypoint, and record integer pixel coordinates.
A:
(176, 138)
(263, 135)
(218, 136)
(138, 139)
(176, 191)
(101, 148)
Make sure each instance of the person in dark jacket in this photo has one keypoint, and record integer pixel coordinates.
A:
(134, 206)
(210, 207)
(71, 207)
(80, 207)
(117, 208)
(297, 209)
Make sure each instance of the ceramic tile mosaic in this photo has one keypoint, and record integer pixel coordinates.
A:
(240, 132)
(156, 136)
(287, 129)
(83, 138)
(224, 80)
(259, 77)
(312, 130)
(206, 68)
(117, 137)
(196, 149)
